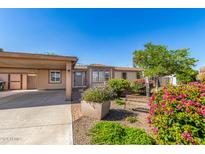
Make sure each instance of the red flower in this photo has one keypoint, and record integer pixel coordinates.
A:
(149, 120)
(155, 130)
(203, 94)
(203, 112)
(178, 107)
(187, 136)
(187, 110)
(176, 102)
(197, 104)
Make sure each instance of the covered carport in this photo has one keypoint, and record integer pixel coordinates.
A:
(42, 115)
(32, 71)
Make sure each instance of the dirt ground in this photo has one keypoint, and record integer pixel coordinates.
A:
(118, 113)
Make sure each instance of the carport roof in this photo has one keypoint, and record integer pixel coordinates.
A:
(34, 61)
(36, 56)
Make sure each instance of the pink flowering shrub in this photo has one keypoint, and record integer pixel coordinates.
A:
(177, 114)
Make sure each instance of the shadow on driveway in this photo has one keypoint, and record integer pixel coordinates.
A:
(34, 99)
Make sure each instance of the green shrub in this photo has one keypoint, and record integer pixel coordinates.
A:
(120, 101)
(137, 136)
(177, 114)
(112, 133)
(97, 95)
(138, 86)
(131, 119)
(107, 133)
(119, 86)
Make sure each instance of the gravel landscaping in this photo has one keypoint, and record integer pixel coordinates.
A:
(118, 113)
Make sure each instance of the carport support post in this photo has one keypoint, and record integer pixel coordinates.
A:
(68, 81)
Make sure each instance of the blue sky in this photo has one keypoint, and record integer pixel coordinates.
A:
(107, 36)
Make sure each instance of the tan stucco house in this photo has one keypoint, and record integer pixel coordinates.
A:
(40, 71)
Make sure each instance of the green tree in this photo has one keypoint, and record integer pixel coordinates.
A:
(186, 76)
(159, 61)
(183, 66)
(1, 50)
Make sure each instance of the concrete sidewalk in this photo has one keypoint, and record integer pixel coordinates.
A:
(36, 118)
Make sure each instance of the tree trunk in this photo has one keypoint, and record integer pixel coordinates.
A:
(147, 87)
(156, 84)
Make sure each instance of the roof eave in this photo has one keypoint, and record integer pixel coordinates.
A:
(37, 56)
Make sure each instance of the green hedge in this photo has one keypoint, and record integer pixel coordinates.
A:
(112, 133)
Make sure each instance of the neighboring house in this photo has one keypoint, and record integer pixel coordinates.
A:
(40, 71)
(171, 79)
(165, 80)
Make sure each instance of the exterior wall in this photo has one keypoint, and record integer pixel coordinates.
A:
(90, 77)
(43, 80)
(131, 75)
(117, 74)
(17, 70)
(98, 84)
(24, 81)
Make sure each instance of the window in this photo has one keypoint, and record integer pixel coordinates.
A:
(124, 75)
(55, 76)
(95, 76)
(100, 76)
(139, 75)
(107, 75)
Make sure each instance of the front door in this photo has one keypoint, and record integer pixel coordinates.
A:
(32, 81)
(79, 79)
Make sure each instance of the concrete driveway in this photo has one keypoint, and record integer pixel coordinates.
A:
(38, 117)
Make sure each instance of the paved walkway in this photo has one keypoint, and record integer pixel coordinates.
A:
(38, 117)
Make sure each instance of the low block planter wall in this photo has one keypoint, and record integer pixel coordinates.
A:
(95, 110)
